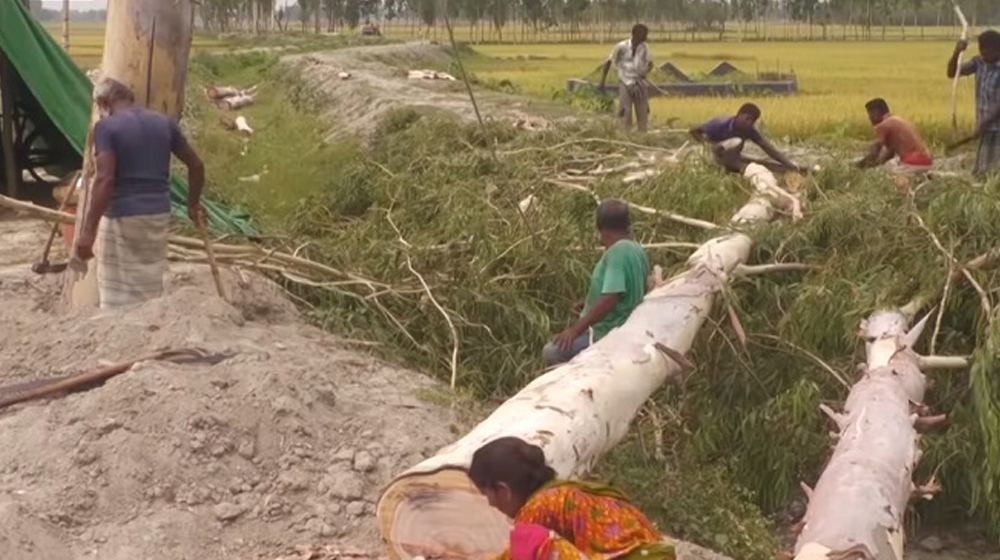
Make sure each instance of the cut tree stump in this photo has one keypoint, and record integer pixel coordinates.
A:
(576, 412)
(860, 500)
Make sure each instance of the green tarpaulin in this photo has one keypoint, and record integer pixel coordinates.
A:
(64, 93)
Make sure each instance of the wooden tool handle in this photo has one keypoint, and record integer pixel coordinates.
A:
(960, 143)
(211, 259)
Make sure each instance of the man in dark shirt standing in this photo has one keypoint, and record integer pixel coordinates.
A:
(129, 204)
(728, 135)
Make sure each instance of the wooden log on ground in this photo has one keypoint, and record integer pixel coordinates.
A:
(55, 386)
(860, 500)
(237, 101)
(576, 412)
(215, 93)
(146, 46)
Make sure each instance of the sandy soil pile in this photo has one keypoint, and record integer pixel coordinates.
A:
(286, 442)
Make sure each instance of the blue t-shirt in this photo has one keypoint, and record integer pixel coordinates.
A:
(721, 129)
(142, 141)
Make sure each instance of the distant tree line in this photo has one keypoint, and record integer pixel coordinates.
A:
(45, 14)
(490, 20)
(578, 19)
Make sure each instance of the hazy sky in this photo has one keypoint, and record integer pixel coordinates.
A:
(77, 4)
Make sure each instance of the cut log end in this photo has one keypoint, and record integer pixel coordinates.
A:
(440, 515)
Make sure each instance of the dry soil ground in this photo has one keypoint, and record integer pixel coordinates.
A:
(286, 442)
(378, 82)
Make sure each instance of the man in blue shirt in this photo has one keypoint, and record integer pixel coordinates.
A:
(128, 210)
(986, 67)
(728, 135)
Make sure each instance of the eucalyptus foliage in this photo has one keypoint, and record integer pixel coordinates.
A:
(442, 197)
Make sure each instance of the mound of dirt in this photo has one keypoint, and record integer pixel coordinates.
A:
(285, 442)
(378, 83)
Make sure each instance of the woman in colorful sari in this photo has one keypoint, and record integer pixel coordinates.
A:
(560, 519)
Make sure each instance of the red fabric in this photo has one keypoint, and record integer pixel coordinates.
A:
(917, 158)
(526, 539)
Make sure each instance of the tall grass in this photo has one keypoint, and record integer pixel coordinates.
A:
(835, 81)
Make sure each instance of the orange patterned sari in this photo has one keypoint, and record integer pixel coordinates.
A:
(590, 521)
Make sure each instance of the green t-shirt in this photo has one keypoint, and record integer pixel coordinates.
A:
(622, 270)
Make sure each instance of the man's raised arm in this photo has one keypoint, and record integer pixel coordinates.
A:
(967, 68)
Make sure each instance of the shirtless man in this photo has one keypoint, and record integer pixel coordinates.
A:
(897, 138)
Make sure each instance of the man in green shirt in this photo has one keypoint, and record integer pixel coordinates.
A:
(617, 286)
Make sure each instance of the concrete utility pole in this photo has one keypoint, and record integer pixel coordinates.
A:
(66, 25)
(147, 45)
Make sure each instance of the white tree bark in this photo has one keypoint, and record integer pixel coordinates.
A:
(237, 102)
(860, 499)
(576, 412)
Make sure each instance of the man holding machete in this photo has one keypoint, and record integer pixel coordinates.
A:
(986, 67)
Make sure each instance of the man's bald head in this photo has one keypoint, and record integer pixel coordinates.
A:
(613, 216)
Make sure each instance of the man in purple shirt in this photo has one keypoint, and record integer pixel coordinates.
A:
(728, 135)
(128, 210)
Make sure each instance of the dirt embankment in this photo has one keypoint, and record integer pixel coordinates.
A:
(287, 441)
(378, 83)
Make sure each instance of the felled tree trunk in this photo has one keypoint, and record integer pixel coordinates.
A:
(576, 412)
(146, 47)
(858, 504)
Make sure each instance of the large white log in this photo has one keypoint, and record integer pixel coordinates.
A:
(861, 497)
(576, 412)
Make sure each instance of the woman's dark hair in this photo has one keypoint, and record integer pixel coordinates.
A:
(512, 461)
